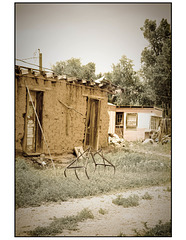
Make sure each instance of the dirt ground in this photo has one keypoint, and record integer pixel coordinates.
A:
(115, 221)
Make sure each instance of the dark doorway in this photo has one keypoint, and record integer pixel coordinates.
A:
(33, 132)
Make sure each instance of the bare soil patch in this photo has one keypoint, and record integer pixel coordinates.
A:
(114, 221)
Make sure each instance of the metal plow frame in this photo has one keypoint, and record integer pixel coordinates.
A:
(89, 152)
(78, 167)
(106, 162)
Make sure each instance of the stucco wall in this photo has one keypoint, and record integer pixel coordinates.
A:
(134, 135)
(144, 120)
(112, 122)
(20, 111)
(112, 117)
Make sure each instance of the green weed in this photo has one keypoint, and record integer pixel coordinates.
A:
(121, 235)
(59, 224)
(131, 201)
(103, 211)
(160, 230)
(168, 189)
(147, 196)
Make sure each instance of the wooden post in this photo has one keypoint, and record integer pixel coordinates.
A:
(40, 60)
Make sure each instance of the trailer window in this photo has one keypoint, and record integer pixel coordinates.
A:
(131, 120)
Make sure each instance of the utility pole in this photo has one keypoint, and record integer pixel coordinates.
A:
(40, 60)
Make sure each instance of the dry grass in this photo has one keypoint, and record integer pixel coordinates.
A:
(35, 186)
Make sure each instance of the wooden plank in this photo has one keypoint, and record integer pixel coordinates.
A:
(62, 77)
(98, 124)
(87, 123)
(79, 151)
(93, 96)
(40, 89)
(92, 123)
(71, 79)
(24, 71)
(83, 81)
(92, 83)
(49, 75)
(28, 154)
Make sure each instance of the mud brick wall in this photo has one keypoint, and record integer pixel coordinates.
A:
(104, 126)
(20, 112)
(36, 84)
(64, 128)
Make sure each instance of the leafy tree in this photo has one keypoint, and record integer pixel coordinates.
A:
(108, 76)
(147, 95)
(123, 75)
(88, 71)
(99, 75)
(74, 68)
(156, 62)
(71, 67)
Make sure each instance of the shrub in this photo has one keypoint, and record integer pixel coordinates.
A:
(131, 201)
(147, 196)
(103, 211)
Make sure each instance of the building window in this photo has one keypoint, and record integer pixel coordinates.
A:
(131, 120)
(119, 124)
(119, 118)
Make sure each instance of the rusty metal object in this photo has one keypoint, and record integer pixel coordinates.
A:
(87, 154)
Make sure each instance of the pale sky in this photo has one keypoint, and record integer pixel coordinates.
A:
(99, 33)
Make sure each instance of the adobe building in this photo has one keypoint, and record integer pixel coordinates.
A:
(133, 122)
(59, 113)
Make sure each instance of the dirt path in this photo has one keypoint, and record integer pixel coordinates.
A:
(117, 219)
